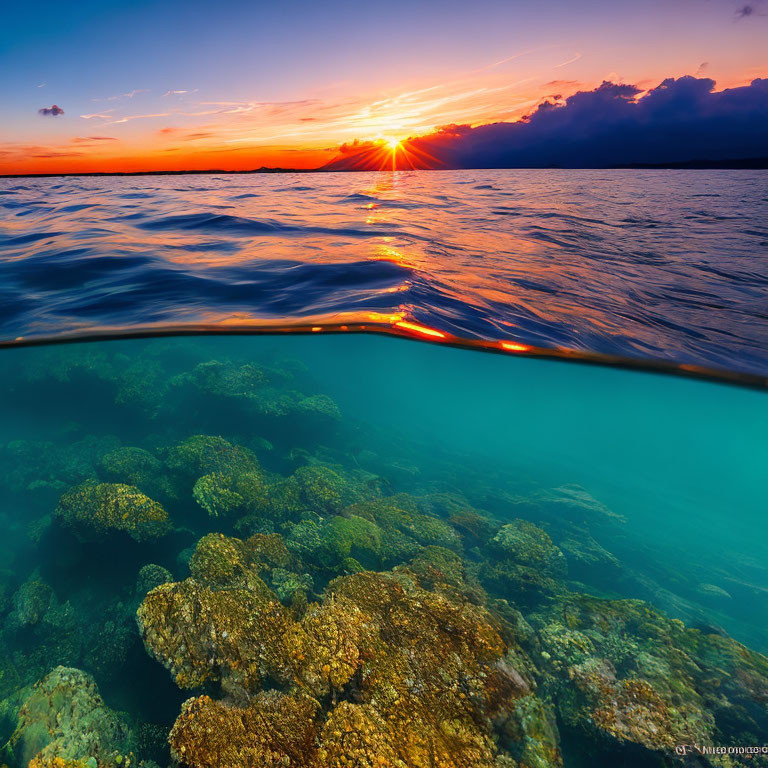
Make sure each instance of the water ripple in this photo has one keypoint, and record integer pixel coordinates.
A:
(669, 264)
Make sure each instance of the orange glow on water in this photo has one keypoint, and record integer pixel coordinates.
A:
(513, 346)
(422, 329)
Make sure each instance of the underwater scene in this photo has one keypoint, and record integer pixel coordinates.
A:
(357, 551)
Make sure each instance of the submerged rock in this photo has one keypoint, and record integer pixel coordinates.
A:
(425, 671)
(92, 510)
(225, 478)
(523, 563)
(625, 674)
(139, 468)
(273, 731)
(151, 576)
(64, 723)
(31, 602)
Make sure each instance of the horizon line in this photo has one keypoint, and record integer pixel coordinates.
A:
(752, 163)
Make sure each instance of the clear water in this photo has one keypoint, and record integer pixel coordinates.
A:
(668, 265)
(369, 552)
(561, 564)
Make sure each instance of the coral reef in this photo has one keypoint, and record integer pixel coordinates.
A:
(428, 669)
(331, 597)
(626, 674)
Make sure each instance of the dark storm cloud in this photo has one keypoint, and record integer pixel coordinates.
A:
(680, 120)
(53, 111)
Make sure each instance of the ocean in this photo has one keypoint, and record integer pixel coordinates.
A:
(666, 265)
(365, 550)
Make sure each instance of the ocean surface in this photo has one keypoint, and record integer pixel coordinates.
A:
(668, 265)
(360, 551)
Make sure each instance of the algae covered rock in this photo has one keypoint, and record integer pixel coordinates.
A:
(151, 576)
(328, 645)
(287, 583)
(352, 536)
(311, 490)
(31, 602)
(587, 558)
(628, 676)
(320, 407)
(357, 736)
(92, 510)
(226, 478)
(527, 544)
(524, 564)
(571, 502)
(65, 722)
(429, 670)
(406, 528)
(264, 393)
(200, 454)
(273, 731)
(235, 635)
(137, 467)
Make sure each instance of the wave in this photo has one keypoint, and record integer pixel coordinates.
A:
(576, 260)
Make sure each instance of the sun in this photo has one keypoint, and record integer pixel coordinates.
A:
(393, 144)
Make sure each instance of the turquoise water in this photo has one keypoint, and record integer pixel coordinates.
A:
(362, 551)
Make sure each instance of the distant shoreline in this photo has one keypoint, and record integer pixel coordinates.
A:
(747, 164)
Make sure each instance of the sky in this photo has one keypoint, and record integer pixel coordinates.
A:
(166, 85)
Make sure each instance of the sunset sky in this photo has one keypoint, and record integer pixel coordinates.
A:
(144, 85)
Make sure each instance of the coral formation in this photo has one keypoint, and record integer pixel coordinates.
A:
(625, 673)
(330, 597)
(64, 723)
(139, 468)
(94, 509)
(428, 668)
(273, 731)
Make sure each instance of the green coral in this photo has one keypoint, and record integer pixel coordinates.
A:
(351, 536)
(94, 509)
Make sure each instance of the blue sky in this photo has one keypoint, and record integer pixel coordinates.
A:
(257, 80)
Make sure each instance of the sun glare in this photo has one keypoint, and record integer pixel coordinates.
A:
(393, 144)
